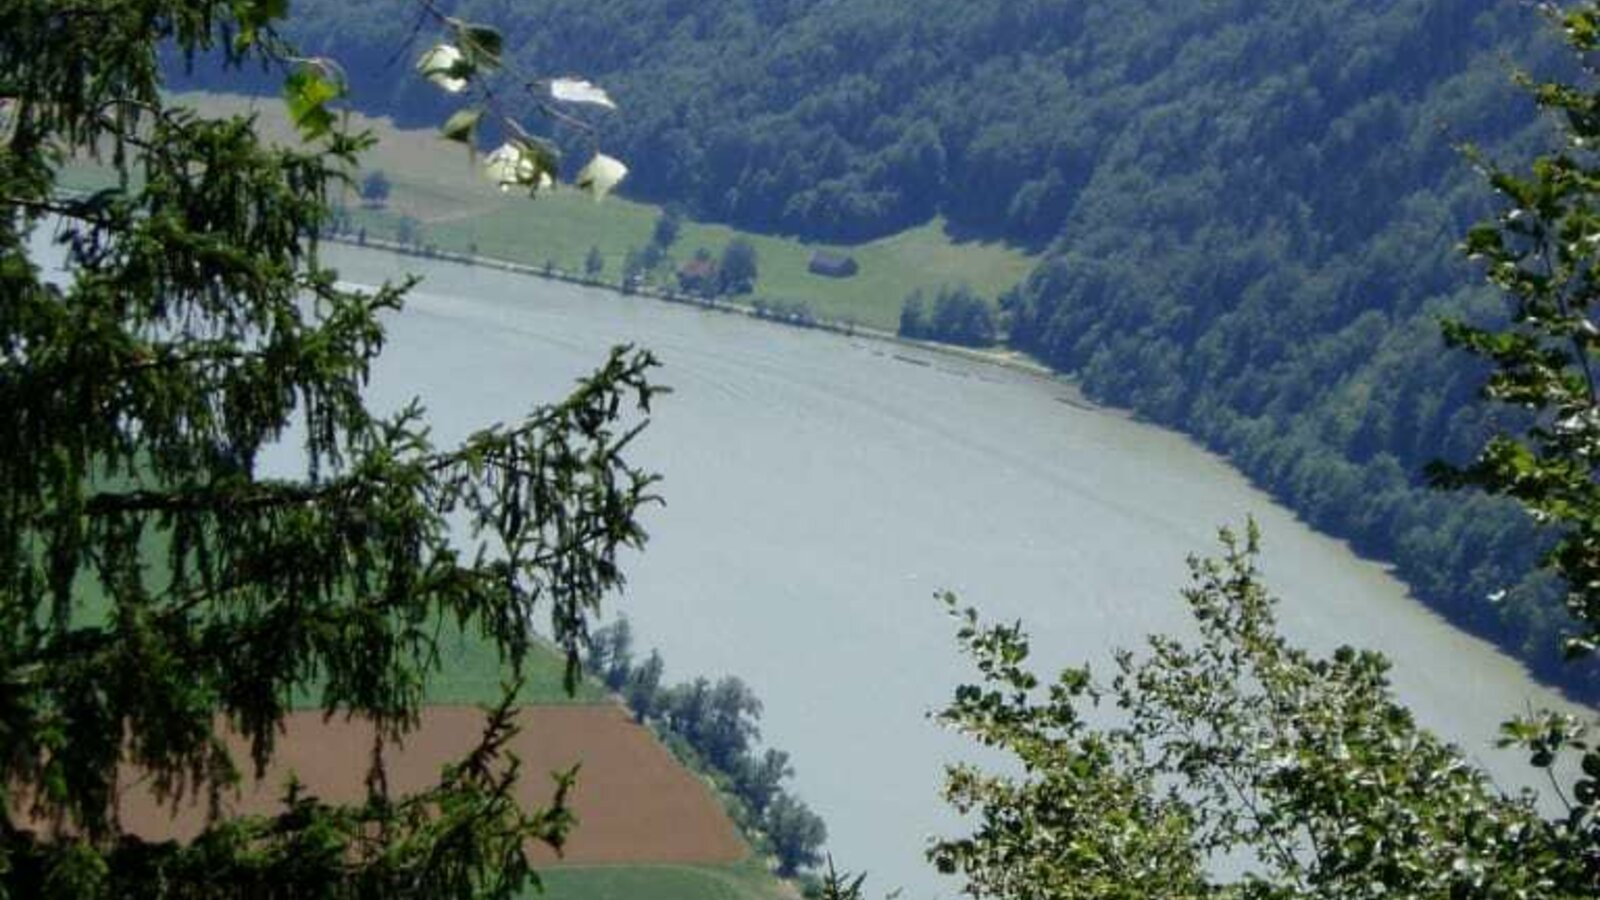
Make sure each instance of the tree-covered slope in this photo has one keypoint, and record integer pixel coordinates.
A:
(1249, 209)
(852, 118)
(1262, 254)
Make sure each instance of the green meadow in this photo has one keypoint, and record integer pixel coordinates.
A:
(438, 190)
(468, 669)
(746, 880)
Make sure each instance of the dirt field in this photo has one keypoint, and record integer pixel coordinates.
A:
(633, 802)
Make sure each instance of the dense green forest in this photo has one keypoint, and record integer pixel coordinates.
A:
(1248, 211)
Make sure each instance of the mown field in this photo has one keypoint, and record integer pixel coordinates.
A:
(741, 881)
(438, 186)
(469, 671)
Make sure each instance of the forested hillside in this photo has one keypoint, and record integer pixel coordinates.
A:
(1248, 209)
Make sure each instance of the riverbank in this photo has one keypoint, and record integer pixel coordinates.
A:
(439, 197)
(1001, 357)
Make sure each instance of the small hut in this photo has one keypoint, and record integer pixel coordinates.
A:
(698, 275)
(833, 265)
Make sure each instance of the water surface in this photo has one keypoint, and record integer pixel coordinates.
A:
(820, 489)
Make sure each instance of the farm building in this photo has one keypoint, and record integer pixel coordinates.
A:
(833, 265)
(698, 275)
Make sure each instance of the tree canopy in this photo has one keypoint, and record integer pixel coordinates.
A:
(160, 587)
(375, 187)
(737, 268)
(1539, 252)
(956, 315)
(715, 727)
(1235, 765)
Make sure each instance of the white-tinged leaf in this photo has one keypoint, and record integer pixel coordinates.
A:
(442, 64)
(9, 115)
(460, 125)
(601, 175)
(506, 165)
(511, 165)
(577, 90)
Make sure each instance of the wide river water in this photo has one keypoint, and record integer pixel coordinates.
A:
(820, 489)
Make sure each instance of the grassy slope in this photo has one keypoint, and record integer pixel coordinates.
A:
(470, 672)
(741, 881)
(437, 183)
(469, 669)
(471, 675)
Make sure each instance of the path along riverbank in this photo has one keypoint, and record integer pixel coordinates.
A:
(1007, 359)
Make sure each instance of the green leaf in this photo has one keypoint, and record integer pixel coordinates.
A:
(254, 15)
(1582, 29)
(306, 92)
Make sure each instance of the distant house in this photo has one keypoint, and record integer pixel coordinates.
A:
(698, 275)
(833, 265)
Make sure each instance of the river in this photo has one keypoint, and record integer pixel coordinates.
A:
(820, 489)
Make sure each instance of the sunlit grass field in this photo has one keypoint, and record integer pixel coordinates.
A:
(748, 880)
(437, 184)
(468, 669)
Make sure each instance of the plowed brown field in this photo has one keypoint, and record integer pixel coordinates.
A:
(633, 802)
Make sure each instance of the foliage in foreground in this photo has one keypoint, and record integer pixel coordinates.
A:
(1542, 252)
(1304, 774)
(190, 329)
(1239, 752)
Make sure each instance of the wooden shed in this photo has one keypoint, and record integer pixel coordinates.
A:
(698, 275)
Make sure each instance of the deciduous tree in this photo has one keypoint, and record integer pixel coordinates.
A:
(375, 188)
(797, 834)
(737, 271)
(1540, 252)
(665, 231)
(1306, 774)
(1302, 775)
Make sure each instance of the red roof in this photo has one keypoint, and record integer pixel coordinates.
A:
(698, 268)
